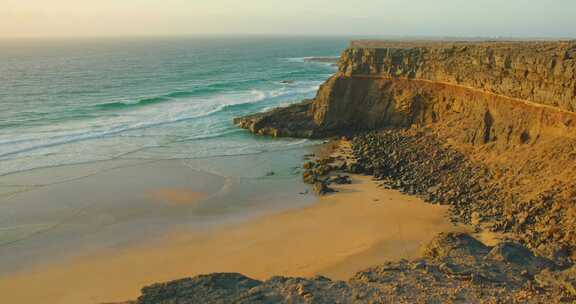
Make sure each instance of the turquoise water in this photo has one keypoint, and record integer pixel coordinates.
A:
(76, 101)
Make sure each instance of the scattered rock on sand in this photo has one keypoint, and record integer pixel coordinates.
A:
(321, 188)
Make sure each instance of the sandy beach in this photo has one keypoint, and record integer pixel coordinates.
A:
(338, 235)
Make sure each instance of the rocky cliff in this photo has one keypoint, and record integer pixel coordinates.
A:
(506, 106)
(541, 72)
(398, 84)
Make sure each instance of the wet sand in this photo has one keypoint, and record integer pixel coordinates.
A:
(178, 195)
(359, 227)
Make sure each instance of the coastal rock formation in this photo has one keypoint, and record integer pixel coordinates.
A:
(492, 130)
(399, 84)
(455, 268)
(291, 121)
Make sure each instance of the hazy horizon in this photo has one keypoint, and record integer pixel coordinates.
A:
(419, 18)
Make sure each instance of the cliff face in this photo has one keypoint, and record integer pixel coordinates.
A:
(538, 72)
(350, 103)
(512, 90)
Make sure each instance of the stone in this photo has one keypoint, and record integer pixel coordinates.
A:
(308, 165)
(341, 179)
(309, 177)
(321, 188)
(455, 245)
(475, 218)
(563, 280)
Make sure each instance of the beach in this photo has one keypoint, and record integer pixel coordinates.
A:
(191, 222)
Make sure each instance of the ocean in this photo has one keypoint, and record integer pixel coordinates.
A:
(75, 101)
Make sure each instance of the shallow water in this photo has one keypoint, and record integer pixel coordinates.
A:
(76, 101)
(50, 215)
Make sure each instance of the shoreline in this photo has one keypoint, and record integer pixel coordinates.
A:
(58, 213)
(295, 242)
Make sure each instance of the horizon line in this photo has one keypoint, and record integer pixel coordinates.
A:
(281, 35)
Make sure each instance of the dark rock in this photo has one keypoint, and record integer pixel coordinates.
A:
(340, 179)
(455, 245)
(308, 165)
(309, 177)
(514, 253)
(291, 121)
(214, 288)
(321, 188)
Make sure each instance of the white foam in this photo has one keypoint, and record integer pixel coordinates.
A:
(114, 135)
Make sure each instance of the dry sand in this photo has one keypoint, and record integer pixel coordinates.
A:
(342, 233)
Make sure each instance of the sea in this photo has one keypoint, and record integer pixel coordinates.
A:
(75, 101)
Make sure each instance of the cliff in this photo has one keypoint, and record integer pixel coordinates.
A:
(541, 72)
(395, 85)
(506, 106)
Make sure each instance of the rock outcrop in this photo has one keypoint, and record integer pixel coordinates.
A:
(455, 268)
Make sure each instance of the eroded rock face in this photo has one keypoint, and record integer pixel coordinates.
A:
(501, 91)
(541, 72)
(348, 103)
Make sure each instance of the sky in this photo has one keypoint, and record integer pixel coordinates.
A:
(458, 18)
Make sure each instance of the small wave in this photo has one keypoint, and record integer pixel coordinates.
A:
(313, 59)
(141, 102)
(66, 139)
(171, 96)
(254, 96)
(82, 136)
(213, 136)
(220, 103)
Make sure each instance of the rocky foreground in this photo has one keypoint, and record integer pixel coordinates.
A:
(455, 268)
(488, 128)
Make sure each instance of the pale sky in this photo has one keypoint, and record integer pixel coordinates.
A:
(510, 18)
